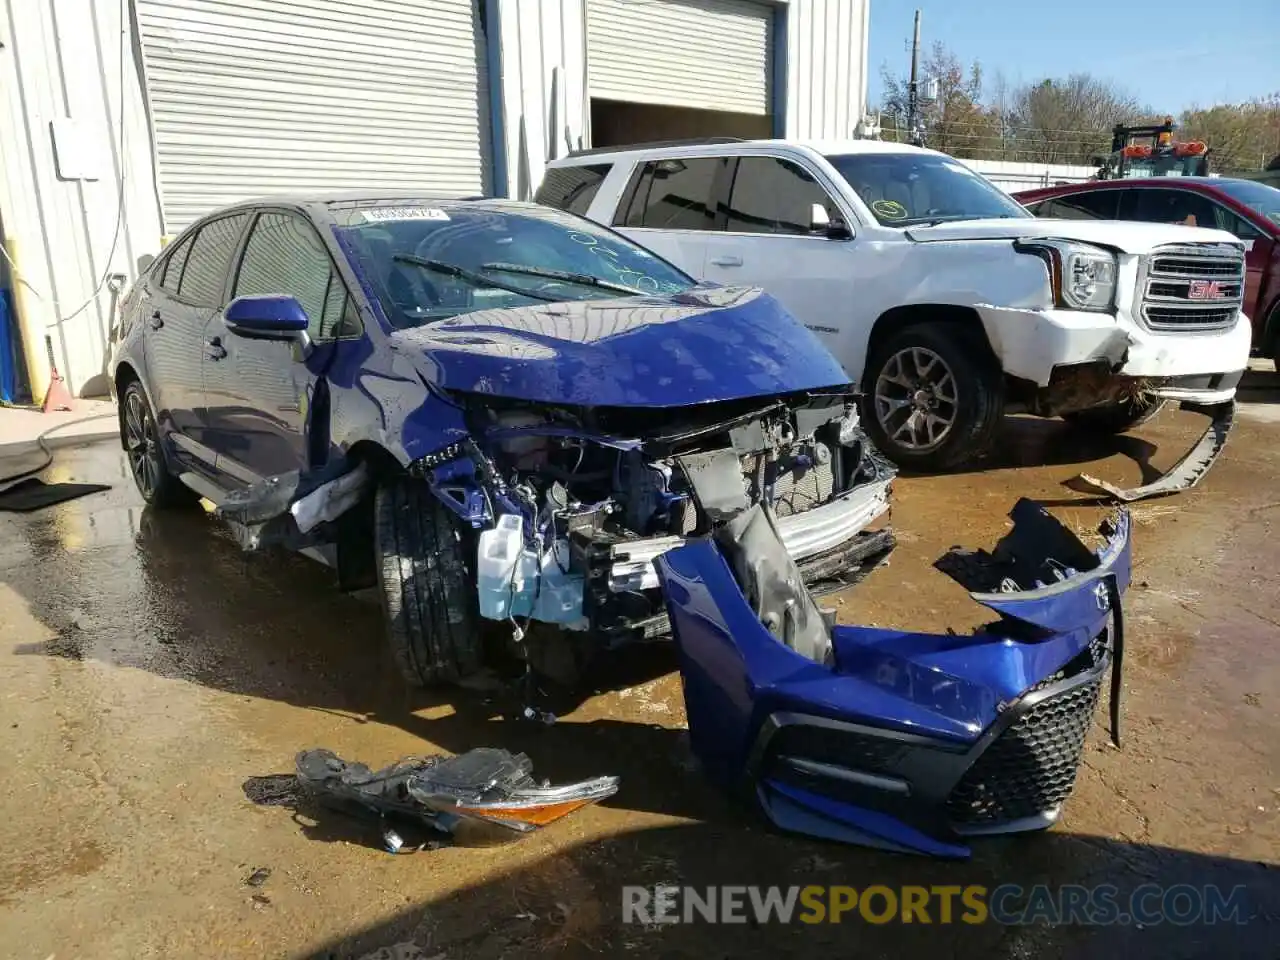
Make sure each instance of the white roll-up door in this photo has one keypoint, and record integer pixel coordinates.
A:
(704, 54)
(255, 97)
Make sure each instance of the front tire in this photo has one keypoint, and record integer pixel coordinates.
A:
(934, 397)
(1115, 418)
(140, 438)
(427, 584)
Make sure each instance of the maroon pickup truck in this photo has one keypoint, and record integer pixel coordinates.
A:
(1246, 208)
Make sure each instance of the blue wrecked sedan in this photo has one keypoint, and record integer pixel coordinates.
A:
(523, 429)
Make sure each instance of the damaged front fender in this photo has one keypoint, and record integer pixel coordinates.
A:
(903, 740)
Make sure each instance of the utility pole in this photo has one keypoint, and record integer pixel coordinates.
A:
(913, 91)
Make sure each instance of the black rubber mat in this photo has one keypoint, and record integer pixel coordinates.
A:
(34, 494)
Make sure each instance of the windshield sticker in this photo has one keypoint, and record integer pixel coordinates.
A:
(378, 214)
(889, 210)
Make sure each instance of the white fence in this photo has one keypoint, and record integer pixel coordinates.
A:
(1012, 177)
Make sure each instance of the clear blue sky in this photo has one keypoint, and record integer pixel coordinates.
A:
(1172, 54)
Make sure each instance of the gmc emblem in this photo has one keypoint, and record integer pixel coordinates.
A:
(1204, 290)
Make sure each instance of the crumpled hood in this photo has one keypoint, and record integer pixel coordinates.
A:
(1125, 236)
(709, 344)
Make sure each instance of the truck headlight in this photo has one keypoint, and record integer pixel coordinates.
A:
(1082, 276)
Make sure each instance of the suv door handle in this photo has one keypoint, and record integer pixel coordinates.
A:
(157, 321)
(727, 261)
(213, 349)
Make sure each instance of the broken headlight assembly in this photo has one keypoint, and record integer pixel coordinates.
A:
(1081, 276)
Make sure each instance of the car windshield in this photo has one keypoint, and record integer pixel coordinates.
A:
(1258, 197)
(909, 189)
(429, 261)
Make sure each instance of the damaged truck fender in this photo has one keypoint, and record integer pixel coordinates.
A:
(890, 738)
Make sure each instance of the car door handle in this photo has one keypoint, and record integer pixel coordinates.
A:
(157, 321)
(727, 261)
(214, 350)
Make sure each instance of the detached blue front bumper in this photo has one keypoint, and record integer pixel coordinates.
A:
(907, 741)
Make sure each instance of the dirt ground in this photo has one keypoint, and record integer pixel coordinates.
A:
(148, 668)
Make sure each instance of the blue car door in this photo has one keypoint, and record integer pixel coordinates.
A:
(175, 309)
(256, 391)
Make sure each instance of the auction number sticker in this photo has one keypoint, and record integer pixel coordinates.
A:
(404, 213)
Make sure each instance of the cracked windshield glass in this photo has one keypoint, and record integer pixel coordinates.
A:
(428, 262)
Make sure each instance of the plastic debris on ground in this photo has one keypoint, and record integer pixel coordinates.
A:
(482, 796)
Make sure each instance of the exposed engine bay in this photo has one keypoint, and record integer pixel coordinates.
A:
(575, 504)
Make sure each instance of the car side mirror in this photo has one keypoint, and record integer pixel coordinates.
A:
(269, 317)
(821, 224)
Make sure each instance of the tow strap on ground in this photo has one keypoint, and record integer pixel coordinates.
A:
(1188, 471)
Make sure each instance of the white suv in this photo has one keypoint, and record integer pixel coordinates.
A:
(943, 297)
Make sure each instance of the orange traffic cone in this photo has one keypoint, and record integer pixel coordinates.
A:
(58, 397)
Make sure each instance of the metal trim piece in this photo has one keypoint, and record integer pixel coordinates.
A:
(1188, 471)
(804, 535)
(848, 774)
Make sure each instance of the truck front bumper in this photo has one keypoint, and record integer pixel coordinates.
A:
(1032, 343)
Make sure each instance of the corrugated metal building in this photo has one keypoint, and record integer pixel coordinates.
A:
(125, 120)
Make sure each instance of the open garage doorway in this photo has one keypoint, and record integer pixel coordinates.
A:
(615, 123)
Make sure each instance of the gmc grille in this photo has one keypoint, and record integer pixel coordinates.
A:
(1192, 287)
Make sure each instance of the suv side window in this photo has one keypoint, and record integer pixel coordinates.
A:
(572, 188)
(672, 194)
(285, 255)
(1089, 205)
(1171, 206)
(774, 196)
(171, 270)
(209, 260)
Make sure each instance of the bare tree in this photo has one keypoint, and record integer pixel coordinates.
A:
(955, 123)
(1063, 120)
(1070, 121)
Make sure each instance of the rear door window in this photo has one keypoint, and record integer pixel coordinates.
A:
(673, 194)
(171, 270)
(1088, 205)
(774, 196)
(209, 262)
(1172, 206)
(572, 188)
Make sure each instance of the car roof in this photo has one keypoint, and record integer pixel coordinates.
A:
(321, 204)
(729, 148)
(1205, 184)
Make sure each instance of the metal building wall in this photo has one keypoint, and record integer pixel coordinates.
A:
(826, 67)
(538, 75)
(73, 59)
(257, 97)
(541, 98)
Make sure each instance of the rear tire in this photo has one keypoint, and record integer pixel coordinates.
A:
(140, 437)
(428, 586)
(932, 371)
(1114, 418)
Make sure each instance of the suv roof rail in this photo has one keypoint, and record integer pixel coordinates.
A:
(652, 144)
